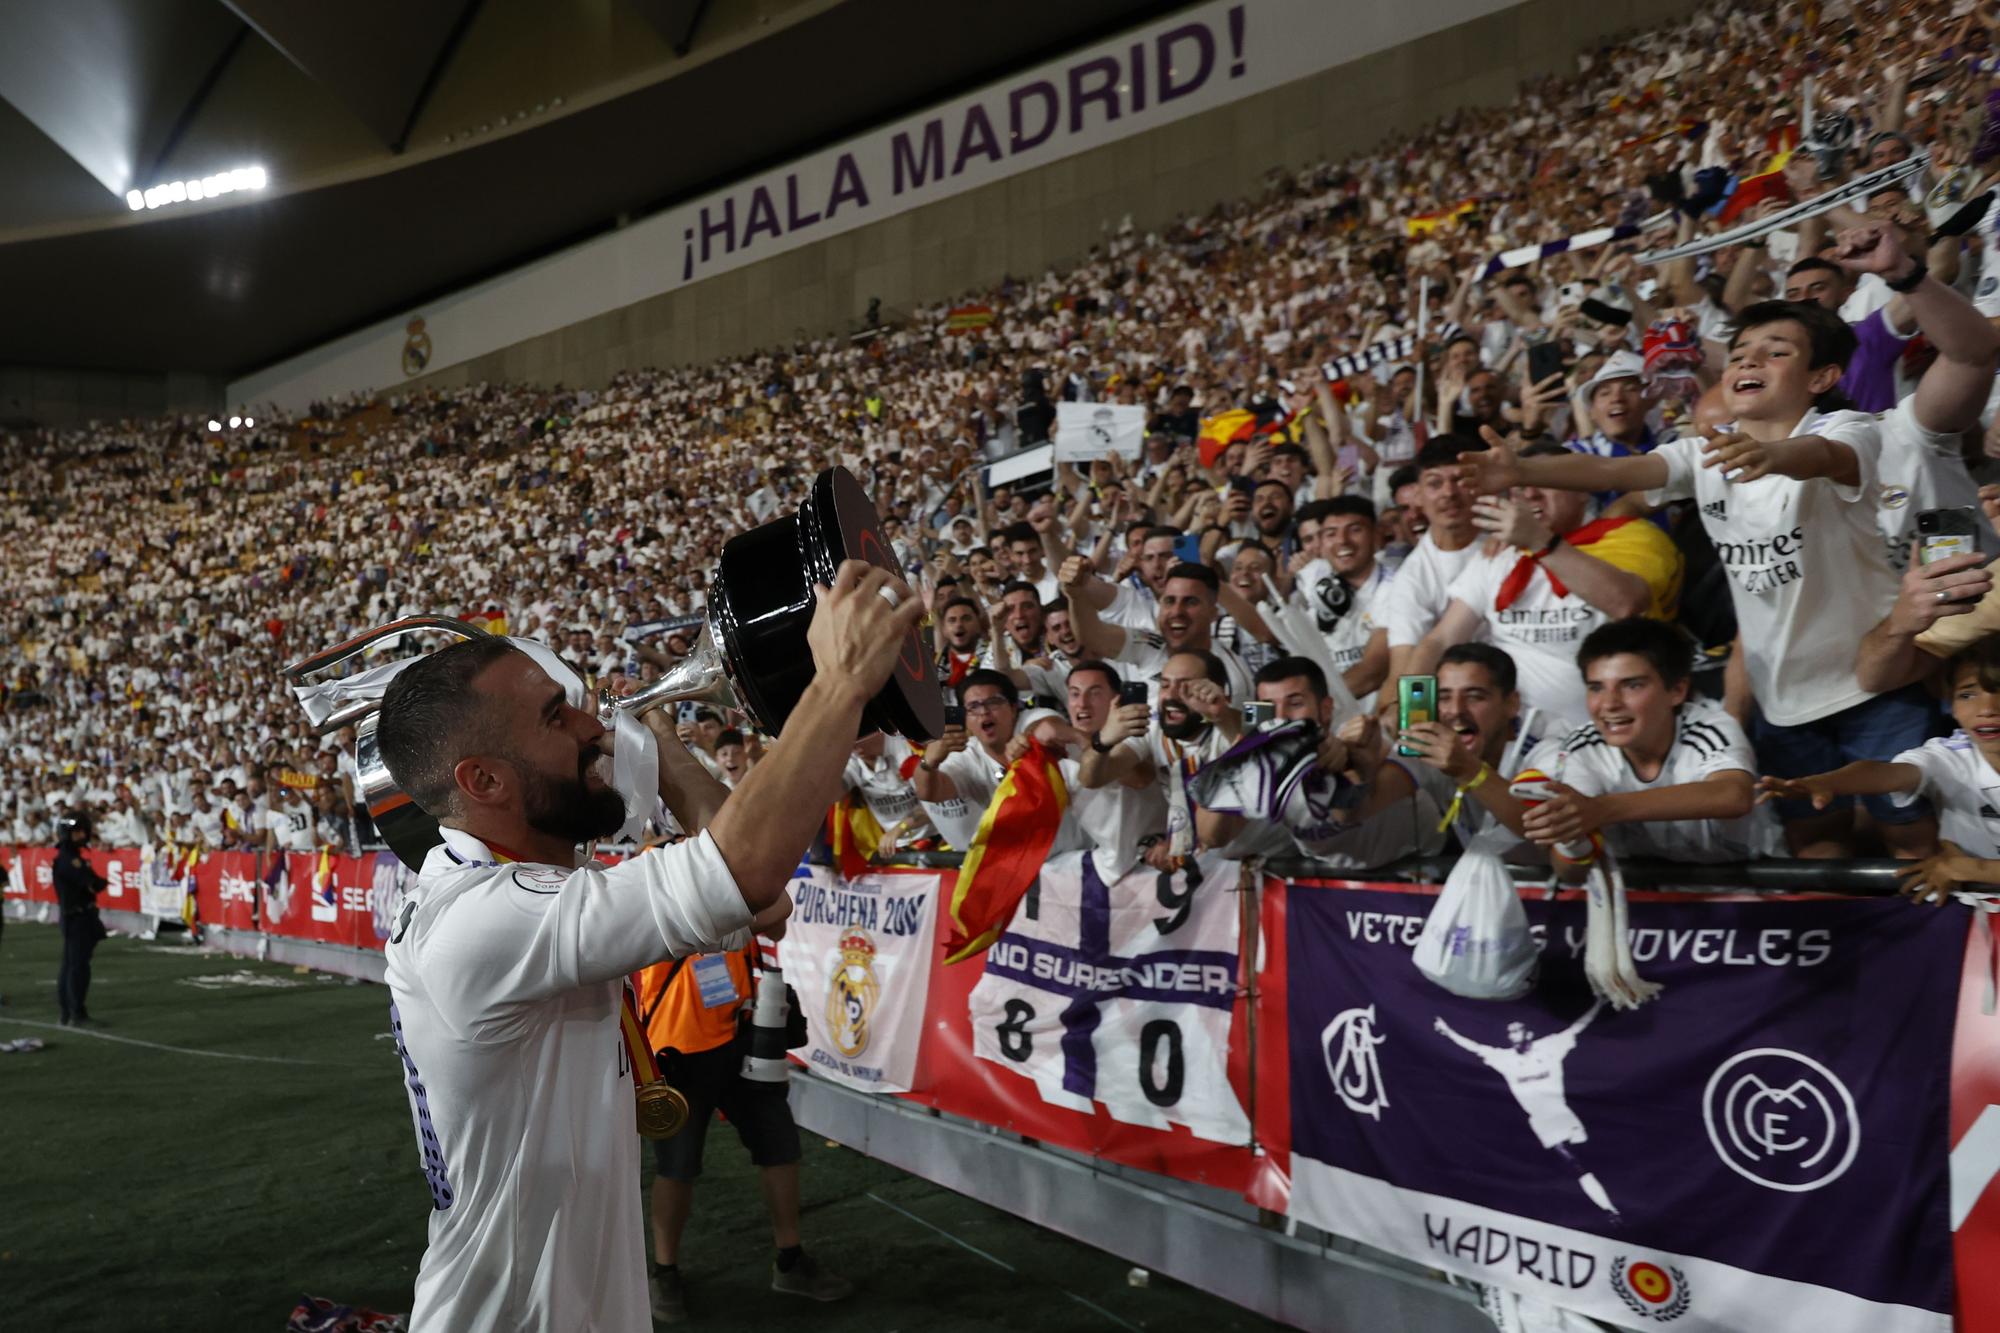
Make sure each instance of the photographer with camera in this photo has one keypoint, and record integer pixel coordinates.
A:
(695, 1011)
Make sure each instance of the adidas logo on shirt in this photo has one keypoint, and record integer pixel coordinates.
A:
(1717, 510)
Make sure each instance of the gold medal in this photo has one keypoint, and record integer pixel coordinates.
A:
(662, 1110)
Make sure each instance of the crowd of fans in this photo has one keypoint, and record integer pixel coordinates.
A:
(1651, 531)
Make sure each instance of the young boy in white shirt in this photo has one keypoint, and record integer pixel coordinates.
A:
(1657, 772)
(1787, 494)
(1959, 774)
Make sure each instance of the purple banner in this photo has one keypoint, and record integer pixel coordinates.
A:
(1770, 1133)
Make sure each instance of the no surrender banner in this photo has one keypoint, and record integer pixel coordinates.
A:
(1768, 1136)
(1119, 993)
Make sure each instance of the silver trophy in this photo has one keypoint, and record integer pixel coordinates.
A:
(750, 655)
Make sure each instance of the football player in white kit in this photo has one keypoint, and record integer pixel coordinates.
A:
(507, 960)
(1532, 1067)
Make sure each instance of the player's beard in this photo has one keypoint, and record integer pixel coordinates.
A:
(565, 807)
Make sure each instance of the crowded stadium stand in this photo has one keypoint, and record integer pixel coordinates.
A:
(1452, 544)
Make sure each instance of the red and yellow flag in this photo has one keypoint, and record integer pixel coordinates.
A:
(854, 833)
(1007, 852)
(1423, 224)
(1222, 430)
(965, 318)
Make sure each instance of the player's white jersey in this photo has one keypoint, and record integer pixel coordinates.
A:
(506, 983)
(1707, 741)
(1964, 789)
(1535, 1077)
(292, 825)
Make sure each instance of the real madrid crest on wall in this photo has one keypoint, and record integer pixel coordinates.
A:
(851, 996)
(416, 349)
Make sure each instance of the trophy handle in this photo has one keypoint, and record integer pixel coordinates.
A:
(340, 652)
(702, 676)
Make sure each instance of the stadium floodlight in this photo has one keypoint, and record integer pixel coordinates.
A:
(214, 425)
(248, 423)
(234, 422)
(200, 187)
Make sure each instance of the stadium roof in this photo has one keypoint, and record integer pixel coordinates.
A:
(413, 146)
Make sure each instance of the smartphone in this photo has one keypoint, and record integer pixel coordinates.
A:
(1544, 359)
(1944, 533)
(1782, 246)
(1257, 712)
(954, 715)
(1133, 692)
(1247, 485)
(1416, 701)
(687, 710)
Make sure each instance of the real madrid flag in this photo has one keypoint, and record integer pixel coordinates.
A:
(1093, 430)
(1007, 852)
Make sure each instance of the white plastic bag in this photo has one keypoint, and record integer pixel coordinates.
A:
(1476, 942)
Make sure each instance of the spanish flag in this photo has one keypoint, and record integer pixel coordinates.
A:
(1007, 852)
(1754, 190)
(1634, 545)
(1224, 429)
(1423, 224)
(493, 620)
(965, 318)
(854, 833)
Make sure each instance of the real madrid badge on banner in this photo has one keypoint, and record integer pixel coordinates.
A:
(858, 953)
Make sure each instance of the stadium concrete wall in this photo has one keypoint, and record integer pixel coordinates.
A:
(1029, 220)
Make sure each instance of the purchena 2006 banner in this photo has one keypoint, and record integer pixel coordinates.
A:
(858, 954)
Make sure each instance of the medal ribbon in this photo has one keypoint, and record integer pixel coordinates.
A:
(645, 1070)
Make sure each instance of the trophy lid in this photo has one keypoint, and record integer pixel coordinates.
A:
(763, 598)
(839, 522)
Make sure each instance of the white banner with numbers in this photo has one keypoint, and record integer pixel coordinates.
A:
(858, 954)
(1120, 993)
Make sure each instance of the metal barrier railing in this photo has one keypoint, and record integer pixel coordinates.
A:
(1861, 878)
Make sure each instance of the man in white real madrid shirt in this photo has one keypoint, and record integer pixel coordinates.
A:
(506, 962)
(1187, 607)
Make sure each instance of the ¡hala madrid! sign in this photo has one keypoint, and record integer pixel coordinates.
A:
(1193, 61)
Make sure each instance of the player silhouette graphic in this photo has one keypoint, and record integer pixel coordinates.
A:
(1533, 1069)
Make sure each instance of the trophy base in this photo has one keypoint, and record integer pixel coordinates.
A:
(763, 600)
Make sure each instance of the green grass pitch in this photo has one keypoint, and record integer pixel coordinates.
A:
(146, 1189)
